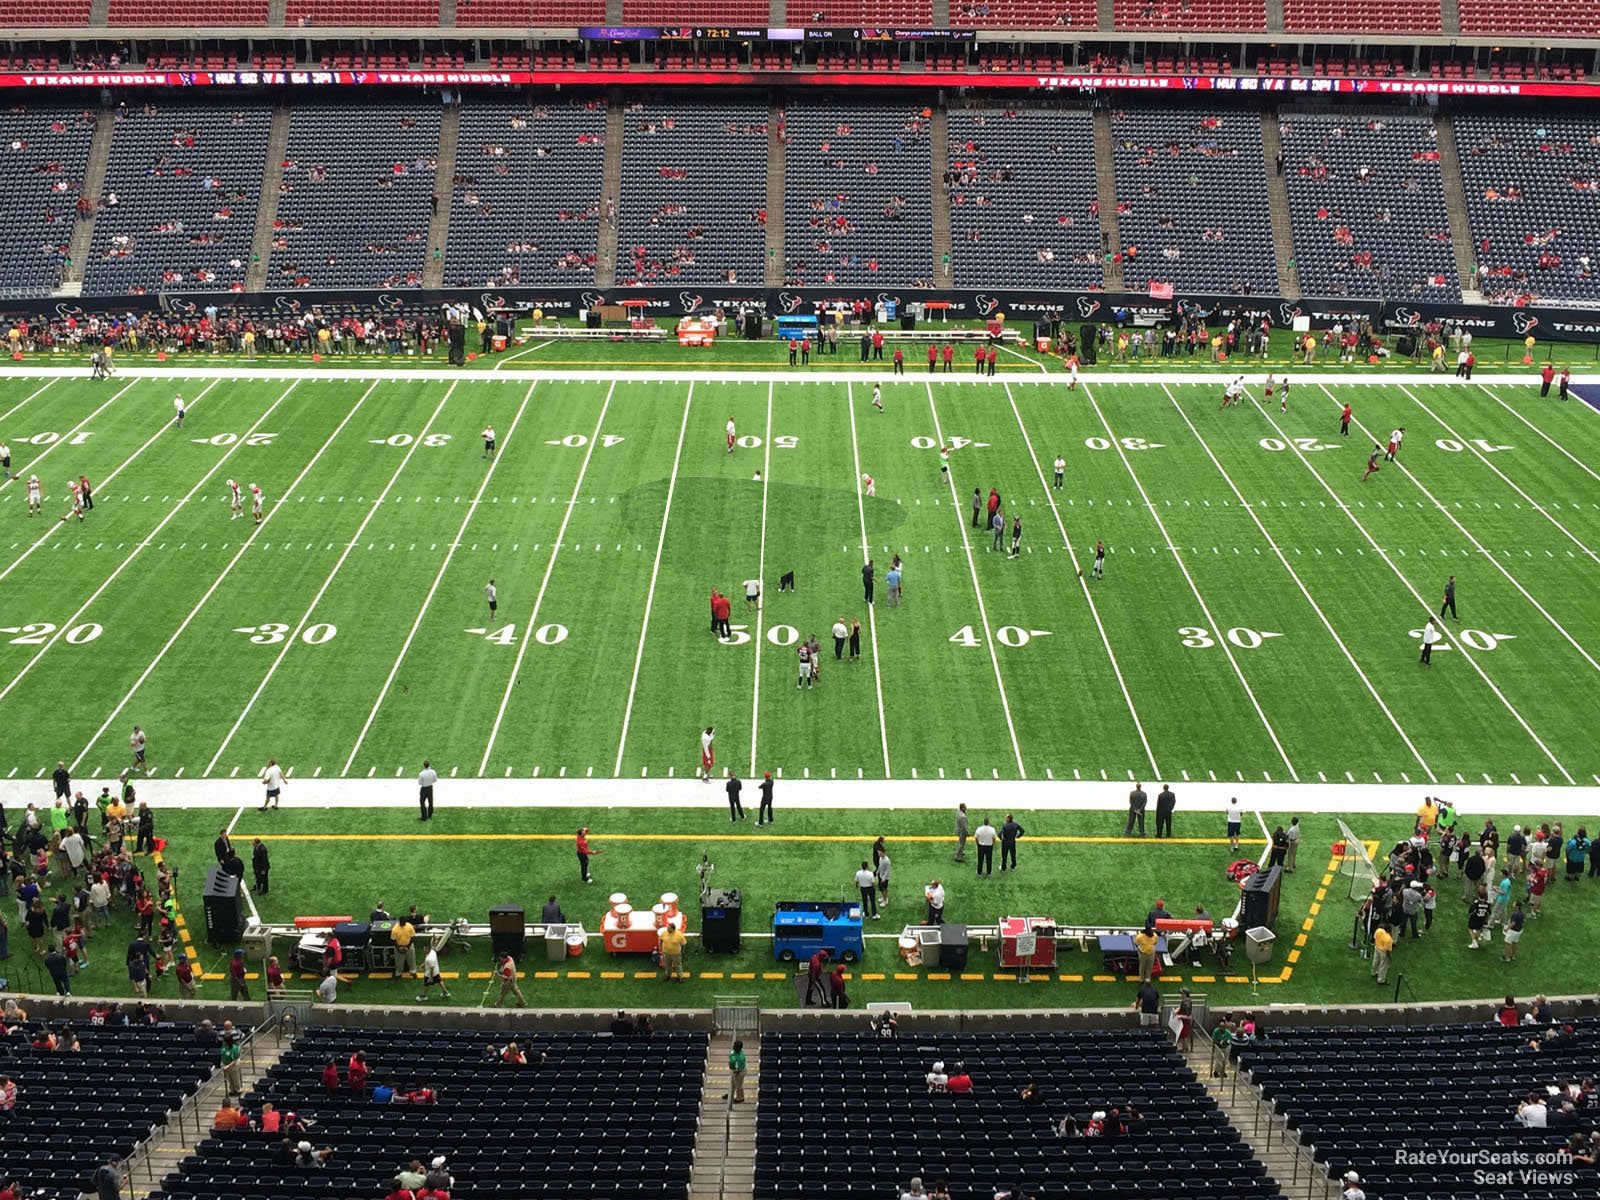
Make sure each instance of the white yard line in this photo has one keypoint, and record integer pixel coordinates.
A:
(866, 553)
(355, 538)
(1504, 478)
(1177, 557)
(1083, 585)
(139, 547)
(427, 601)
(549, 569)
(69, 434)
(1578, 462)
(20, 404)
(761, 574)
(521, 353)
(1481, 548)
(161, 432)
(977, 589)
(655, 571)
(1304, 591)
(221, 576)
(1018, 354)
(1427, 608)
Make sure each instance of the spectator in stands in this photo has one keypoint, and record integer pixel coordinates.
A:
(356, 1071)
(937, 1079)
(330, 1076)
(1352, 1187)
(109, 1179)
(328, 989)
(1507, 1014)
(1532, 1112)
(914, 1190)
(306, 1156)
(412, 1176)
(230, 1117)
(438, 1177)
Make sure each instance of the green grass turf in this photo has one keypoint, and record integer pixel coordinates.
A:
(342, 641)
(358, 857)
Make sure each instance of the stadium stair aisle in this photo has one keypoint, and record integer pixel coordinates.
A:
(98, 11)
(1105, 22)
(707, 1180)
(1237, 1100)
(1278, 197)
(271, 189)
(447, 13)
(439, 227)
(1105, 173)
(1274, 16)
(605, 268)
(1455, 203)
(275, 10)
(939, 145)
(1450, 15)
(94, 184)
(170, 1147)
(776, 160)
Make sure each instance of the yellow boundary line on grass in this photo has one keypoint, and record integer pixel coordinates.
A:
(723, 837)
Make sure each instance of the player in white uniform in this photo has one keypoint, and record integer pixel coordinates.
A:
(5, 459)
(877, 397)
(235, 499)
(731, 435)
(871, 484)
(35, 500)
(181, 409)
(136, 743)
(255, 502)
(77, 504)
(1234, 392)
(1283, 396)
(1072, 370)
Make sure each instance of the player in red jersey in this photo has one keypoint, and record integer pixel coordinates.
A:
(731, 435)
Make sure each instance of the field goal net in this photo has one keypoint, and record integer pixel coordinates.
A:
(1357, 864)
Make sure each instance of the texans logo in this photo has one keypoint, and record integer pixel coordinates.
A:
(593, 299)
(1408, 316)
(490, 301)
(789, 302)
(987, 304)
(68, 310)
(1087, 307)
(1287, 313)
(1523, 322)
(387, 301)
(186, 307)
(286, 304)
(690, 301)
(888, 298)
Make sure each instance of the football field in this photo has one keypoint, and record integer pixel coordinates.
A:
(1259, 618)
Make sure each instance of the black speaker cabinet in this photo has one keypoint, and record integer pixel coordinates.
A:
(224, 907)
(1260, 899)
(953, 947)
(720, 921)
(507, 930)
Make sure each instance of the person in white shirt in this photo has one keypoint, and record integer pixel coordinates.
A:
(984, 837)
(235, 499)
(488, 441)
(871, 485)
(731, 435)
(430, 974)
(1352, 1187)
(914, 1190)
(1532, 1112)
(934, 894)
(1430, 636)
(425, 782)
(1061, 470)
(867, 881)
(100, 902)
(35, 499)
(492, 595)
(255, 501)
(938, 1081)
(272, 776)
(5, 459)
(1235, 820)
(1396, 436)
(181, 409)
(841, 631)
(877, 397)
(752, 593)
(328, 989)
(136, 743)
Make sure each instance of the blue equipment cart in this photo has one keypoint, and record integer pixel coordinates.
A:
(802, 927)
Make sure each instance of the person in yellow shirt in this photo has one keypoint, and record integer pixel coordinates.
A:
(672, 941)
(1145, 943)
(1382, 946)
(1427, 815)
(405, 954)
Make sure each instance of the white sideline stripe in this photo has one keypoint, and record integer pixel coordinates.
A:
(1504, 478)
(217, 583)
(549, 570)
(520, 353)
(1466, 654)
(68, 435)
(161, 431)
(655, 571)
(866, 553)
(977, 590)
(1481, 548)
(1083, 585)
(1581, 465)
(294, 635)
(1304, 591)
(34, 395)
(139, 546)
(1018, 354)
(1201, 805)
(761, 574)
(600, 375)
(1166, 538)
(438, 578)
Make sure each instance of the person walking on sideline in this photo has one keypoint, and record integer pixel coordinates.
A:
(1449, 598)
(984, 837)
(1430, 635)
(1166, 805)
(272, 776)
(1137, 801)
(764, 812)
(867, 881)
(962, 828)
(1235, 819)
(855, 635)
(425, 784)
(584, 854)
(506, 970)
(1010, 831)
(708, 753)
(1382, 948)
(841, 633)
(734, 786)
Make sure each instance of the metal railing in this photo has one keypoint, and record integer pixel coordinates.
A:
(737, 1015)
(1264, 1115)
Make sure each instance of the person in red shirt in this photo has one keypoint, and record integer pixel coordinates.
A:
(330, 1076)
(877, 343)
(949, 358)
(398, 1192)
(1344, 421)
(899, 361)
(933, 357)
(274, 976)
(1538, 877)
(977, 360)
(356, 1072)
(271, 1120)
(583, 855)
(993, 356)
(959, 1080)
(805, 352)
(1547, 376)
(723, 607)
(836, 978)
